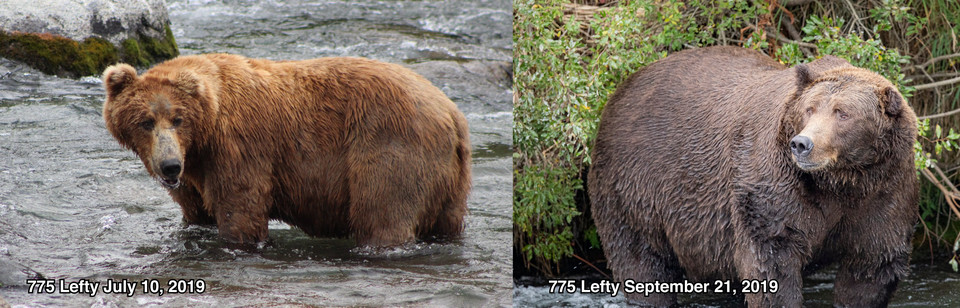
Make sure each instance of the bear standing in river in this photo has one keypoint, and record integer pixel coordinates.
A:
(333, 146)
(722, 164)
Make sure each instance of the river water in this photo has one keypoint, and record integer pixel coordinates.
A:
(75, 206)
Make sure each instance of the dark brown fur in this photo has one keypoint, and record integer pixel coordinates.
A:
(334, 146)
(693, 175)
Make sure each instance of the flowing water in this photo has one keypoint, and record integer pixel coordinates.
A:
(75, 206)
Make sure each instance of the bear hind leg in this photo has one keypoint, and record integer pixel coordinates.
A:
(449, 221)
(636, 253)
(640, 262)
(384, 210)
(382, 223)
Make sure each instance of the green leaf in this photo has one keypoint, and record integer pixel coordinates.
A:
(591, 236)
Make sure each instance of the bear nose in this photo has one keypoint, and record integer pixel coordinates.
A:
(801, 146)
(170, 168)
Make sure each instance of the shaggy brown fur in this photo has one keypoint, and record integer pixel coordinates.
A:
(334, 146)
(720, 163)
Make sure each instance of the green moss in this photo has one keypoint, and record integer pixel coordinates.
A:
(48, 53)
(96, 54)
(167, 49)
(132, 54)
(58, 55)
(145, 51)
(53, 54)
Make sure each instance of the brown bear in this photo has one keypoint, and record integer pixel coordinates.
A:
(333, 146)
(720, 165)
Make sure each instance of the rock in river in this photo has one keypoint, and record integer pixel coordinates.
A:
(81, 37)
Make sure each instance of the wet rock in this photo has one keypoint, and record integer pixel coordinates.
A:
(500, 72)
(484, 82)
(14, 274)
(80, 38)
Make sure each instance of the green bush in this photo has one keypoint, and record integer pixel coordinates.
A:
(565, 69)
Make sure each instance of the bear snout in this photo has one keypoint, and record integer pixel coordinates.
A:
(167, 158)
(170, 168)
(170, 173)
(801, 146)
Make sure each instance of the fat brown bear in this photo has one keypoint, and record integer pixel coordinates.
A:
(722, 164)
(333, 146)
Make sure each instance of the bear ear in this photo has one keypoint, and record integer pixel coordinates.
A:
(118, 77)
(892, 101)
(804, 76)
(189, 83)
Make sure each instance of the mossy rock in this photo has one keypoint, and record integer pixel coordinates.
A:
(144, 51)
(61, 56)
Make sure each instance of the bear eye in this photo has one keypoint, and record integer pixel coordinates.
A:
(147, 124)
(842, 115)
(809, 110)
(177, 121)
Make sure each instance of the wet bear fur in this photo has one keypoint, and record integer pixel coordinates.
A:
(721, 163)
(333, 146)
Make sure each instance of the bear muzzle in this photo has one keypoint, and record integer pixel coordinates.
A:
(168, 159)
(170, 173)
(802, 148)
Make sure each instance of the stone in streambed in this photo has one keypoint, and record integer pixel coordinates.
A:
(80, 38)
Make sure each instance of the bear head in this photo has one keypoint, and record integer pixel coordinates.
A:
(161, 116)
(848, 118)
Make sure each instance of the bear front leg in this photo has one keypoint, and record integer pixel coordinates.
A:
(762, 263)
(241, 210)
(875, 250)
(867, 288)
(873, 264)
(192, 206)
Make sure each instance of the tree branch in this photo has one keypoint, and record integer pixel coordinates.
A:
(949, 193)
(937, 84)
(856, 18)
(935, 75)
(780, 37)
(940, 115)
(935, 59)
(591, 265)
(795, 35)
(794, 2)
